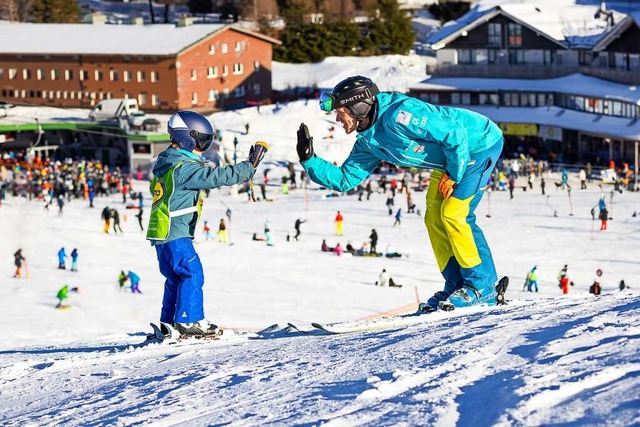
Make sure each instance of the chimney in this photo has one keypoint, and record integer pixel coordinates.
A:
(185, 21)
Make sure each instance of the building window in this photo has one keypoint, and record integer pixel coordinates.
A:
(26, 74)
(84, 75)
(155, 76)
(212, 49)
(68, 75)
(495, 34)
(55, 75)
(213, 95)
(40, 74)
(256, 65)
(225, 48)
(142, 98)
(466, 98)
(212, 72)
(155, 100)
(13, 72)
(127, 76)
(238, 68)
(194, 75)
(239, 91)
(239, 46)
(194, 98)
(1, 74)
(141, 76)
(225, 93)
(549, 56)
(488, 99)
(616, 109)
(65, 95)
(492, 55)
(113, 75)
(455, 98)
(516, 56)
(256, 88)
(465, 56)
(99, 75)
(225, 70)
(515, 34)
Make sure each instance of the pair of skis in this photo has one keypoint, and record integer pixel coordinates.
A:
(275, 330)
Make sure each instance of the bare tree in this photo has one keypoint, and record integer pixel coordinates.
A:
(15, 10)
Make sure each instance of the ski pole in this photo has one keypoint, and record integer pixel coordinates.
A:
(570, 202)
(488, 203)
(555, 212)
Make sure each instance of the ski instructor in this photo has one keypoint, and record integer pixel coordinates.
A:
(461, 146)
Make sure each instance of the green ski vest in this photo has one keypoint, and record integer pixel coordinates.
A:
(160, 218)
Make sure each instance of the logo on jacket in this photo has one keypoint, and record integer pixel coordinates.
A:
(417, 148)
(404, 117)
(158, 192)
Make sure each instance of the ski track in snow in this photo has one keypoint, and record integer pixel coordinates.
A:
(555, 362)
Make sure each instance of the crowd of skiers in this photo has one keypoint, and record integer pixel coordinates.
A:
(565, 281)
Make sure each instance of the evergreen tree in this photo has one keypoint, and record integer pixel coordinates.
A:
(55, 12)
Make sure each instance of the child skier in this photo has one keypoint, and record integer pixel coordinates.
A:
(62, 256)
(18, 259)
(207, 230)
(338, 220)
(604, 213)
(63, 294)
(532, 279)
(74, 259)
(223, 237)
(564, 279)
(122, 279)
(180, 176)
(135, 282)
(596, 287)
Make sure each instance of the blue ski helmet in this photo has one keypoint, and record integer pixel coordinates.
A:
(190, 130)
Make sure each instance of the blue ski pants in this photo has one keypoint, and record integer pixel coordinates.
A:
(180, 265)
(461, 250)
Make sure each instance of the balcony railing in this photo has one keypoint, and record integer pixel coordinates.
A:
(506, 71)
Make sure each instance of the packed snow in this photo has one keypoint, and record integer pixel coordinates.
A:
(545, 358)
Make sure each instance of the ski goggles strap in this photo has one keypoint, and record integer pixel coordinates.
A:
(327, 101)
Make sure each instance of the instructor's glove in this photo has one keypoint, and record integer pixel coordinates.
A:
(305, 143)
(446, 186)
(257, 152)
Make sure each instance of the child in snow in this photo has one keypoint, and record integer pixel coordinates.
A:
(338, 220)
(564, 279)
(63, 294)
(122, 279)
(532, 279)
(181, 175)
(223, 237)
(596, 287)
(604, 213)
(62, 256)
(135, 282)
(18, 259)
(207, 230)
(74, 259)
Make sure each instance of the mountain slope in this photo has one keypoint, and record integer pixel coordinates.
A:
(570, 361)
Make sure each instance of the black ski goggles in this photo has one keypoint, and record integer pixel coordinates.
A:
(203, 140)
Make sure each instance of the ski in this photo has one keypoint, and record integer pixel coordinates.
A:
(173, 338)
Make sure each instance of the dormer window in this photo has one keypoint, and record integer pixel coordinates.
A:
(515, 34)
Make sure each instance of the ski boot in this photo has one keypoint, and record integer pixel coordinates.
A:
(434, 303)
(200, 329)
(501, 289)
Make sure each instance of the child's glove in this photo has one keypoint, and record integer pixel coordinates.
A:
(257, 152)
(305, 143)
(446, 186)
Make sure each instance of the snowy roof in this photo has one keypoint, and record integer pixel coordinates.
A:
(613, 127)
(575, 84)
(88, 39)
(560, 20)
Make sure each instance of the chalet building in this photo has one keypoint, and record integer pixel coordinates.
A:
(165, 67)
(562, 83)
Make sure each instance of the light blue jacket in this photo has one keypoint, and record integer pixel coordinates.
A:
(410, 133)
(193, 175)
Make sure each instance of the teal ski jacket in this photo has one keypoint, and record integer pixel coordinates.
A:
(194, 175)
(409, 132)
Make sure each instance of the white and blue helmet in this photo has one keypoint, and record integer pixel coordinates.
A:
(190, 130)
